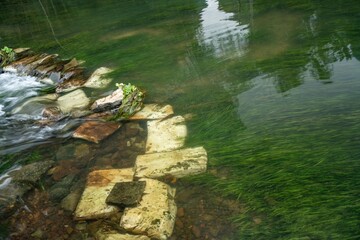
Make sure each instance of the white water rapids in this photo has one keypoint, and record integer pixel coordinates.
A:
(18, 128)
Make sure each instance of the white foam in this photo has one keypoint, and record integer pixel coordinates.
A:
(15, 88)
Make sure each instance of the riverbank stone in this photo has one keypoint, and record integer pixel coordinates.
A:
(92, 203)
(153, 112)
(178, 163)
(95, 131)
(98, 79)
(74, 100)
(155, 214)
(166, 135)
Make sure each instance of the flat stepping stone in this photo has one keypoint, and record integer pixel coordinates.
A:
(104, 234)
(97, 79)
(155, 214)
(99, 184)
(178, 163)
(119, 236)
(126, 194)
(76, 100)
(166, 135)
(95, 131)
(153, 112)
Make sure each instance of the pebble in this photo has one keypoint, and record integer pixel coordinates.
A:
(180, 212)
(179, 223)
(196, 231)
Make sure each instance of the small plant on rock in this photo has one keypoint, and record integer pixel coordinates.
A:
(132, 101)
(7, 55)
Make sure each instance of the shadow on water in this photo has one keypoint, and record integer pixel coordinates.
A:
(272, 87)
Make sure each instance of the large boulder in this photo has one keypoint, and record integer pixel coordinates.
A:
(179, 163)
(155, 214)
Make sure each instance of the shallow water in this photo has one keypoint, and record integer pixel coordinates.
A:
(273, 87)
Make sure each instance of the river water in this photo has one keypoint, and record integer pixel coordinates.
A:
(273, 88)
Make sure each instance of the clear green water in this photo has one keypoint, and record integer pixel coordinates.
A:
(274, 87)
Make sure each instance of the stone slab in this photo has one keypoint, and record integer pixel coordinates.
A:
(155, 214)
(74, 100)
(153, 112)
(112, 235)
(166, 135)
(92, 204)
(126, 194)
(97, 79)
(95, 131)
(178, 163)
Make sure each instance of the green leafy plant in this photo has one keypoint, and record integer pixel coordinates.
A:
(7, 55)
(132, 101)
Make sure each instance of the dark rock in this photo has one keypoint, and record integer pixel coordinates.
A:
(58, 194)
(70, 202)
(94, 131)
(126, 193)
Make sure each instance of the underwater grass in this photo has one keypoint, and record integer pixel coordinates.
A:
(291, 158)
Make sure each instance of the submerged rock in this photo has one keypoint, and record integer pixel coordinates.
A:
(179, 163)
(97, 79)
(126, 193)
(31, 173)
(73, 101)
(153, 112)
(16, 183)
(110, 102)
(155, 214)
(92, 204)
(95, 131)
(105, 234)
(70, 202)
(35, 104)
(166, 135)
(52, 113)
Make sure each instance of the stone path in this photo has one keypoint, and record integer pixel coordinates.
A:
(154, 216)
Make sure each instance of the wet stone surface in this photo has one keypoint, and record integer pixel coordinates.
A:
(126, 194)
